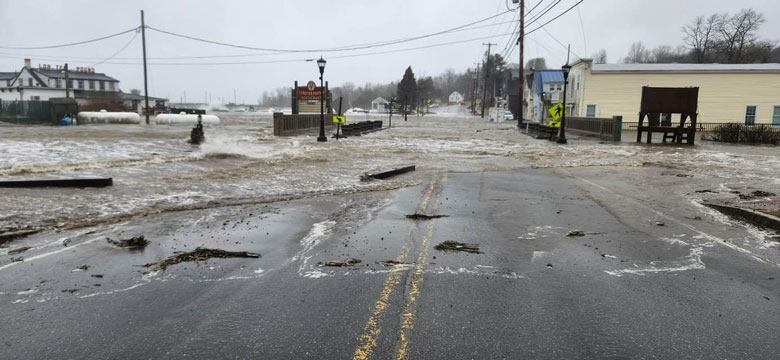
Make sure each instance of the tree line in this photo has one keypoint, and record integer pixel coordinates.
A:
(717, 38)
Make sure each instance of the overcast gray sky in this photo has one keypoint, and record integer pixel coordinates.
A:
(305, 24)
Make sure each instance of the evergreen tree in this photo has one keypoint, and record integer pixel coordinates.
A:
(407, 87)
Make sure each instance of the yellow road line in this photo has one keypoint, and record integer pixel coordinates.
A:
(373, 327)
(410, 307)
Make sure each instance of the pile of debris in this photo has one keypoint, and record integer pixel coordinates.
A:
(201, 254)
(133, 243)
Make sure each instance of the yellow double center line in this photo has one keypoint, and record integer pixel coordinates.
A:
(373, 327)
(410, 306)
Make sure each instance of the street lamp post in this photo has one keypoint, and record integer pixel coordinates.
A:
(321, 64)
(562, 131)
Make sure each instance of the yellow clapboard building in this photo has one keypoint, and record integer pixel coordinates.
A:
(728, 93)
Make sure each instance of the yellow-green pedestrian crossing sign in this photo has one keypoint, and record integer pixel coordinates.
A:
(556, 111)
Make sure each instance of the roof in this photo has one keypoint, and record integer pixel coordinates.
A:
(542, 77)
(380, 100)
(74, 75)
(455, 92)
(684, 68)
(131, 96)
(8, 75)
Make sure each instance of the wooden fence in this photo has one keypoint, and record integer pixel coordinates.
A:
(604, 128)
(290, 125)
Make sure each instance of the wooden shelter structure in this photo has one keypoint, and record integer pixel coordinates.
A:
(658, 105)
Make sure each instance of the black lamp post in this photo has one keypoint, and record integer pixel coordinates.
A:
(321, 64)
(562, 132)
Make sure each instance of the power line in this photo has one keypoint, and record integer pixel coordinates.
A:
(42, 56)
(345, 48)
(69, 44)
(555, 18)
(306, 59)
(117, 52)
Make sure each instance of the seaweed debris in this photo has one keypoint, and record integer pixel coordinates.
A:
(133, 243)
(450, 245)
(201, 254)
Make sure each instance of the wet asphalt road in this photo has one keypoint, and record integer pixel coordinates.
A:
(647, 279)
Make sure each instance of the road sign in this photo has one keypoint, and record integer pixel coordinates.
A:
(556, 111)
(339, 119)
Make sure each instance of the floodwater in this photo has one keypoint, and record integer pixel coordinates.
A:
(155, 169)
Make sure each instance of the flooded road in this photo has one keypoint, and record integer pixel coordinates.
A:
(155, 170)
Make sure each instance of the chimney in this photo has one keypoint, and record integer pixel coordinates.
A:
(27, 63)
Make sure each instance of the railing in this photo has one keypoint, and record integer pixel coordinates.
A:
(289, 125)
(703, 127)
(605, 128)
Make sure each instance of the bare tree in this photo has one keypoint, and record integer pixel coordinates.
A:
(701, 35)
(600, 57)
(738, 33)
(638, 53)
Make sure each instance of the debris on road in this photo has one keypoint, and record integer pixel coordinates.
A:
(417, 216)
(84, 267)
(79, 183)
(458, 246)
(18, 250)
(17, 259)
(97, 276)
(549, 265)
(391, 263)
(659, 223)
(755, 194)
(608, 256)
(133, 243)
(576, 233)
(7, 236)
(384, 174)
(201, 254)
(71, 291)
(336, 263)
(706, 191)
(754, 217)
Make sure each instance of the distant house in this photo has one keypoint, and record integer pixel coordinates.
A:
(379, 104)
(737, 93)
(135, 102)
(547, 90)
(456, 98)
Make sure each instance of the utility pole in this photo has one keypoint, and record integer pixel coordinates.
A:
(487, 75)
(67, 79)
(520, 66)
(146, 87)
(476, 91)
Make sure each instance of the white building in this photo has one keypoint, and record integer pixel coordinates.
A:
(456, 98)
(47, 82)
(379, 104)
(86, 86)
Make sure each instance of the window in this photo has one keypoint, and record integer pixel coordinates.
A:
(58, 83)
(102, 85)
(750, 114)
(81, 84)
(590, 111)
(29, 81)
(35, 97)
(92, 84)
(70, 83)
(776, 115)
(8, 82)
(111, 85)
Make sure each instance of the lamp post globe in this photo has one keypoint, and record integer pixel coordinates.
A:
(321, 64)
(562, 133)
